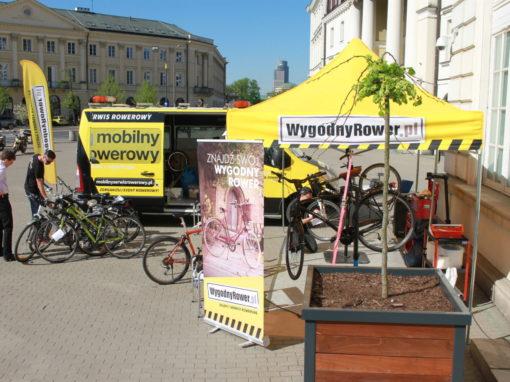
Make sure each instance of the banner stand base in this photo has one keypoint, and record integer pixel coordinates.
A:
(217, 326)
(247, 344)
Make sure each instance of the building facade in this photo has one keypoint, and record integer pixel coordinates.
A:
(78, 49)
(460, 50)
(281, 75)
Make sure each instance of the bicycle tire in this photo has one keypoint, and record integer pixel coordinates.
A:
(56, 251)
(369, 214)
(156, 257)
(24, 250)
(251, 250)
(365, 183)
(86, 245)
(177, 161)
(330, 212)
(118, 237)
(294, 252)
(212, 229)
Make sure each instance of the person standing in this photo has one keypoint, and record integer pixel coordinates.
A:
(34, 182)
(7, 158)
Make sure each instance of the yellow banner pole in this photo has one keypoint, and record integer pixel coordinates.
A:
(35, 89)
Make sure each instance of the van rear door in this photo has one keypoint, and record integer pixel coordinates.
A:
(126, 153)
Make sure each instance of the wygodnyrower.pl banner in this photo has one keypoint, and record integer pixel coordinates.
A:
(232, 210)
(354, 129)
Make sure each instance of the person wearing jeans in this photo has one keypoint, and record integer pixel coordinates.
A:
(34, 182)
(7, 157)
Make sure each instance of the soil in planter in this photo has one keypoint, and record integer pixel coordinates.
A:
(362, 291)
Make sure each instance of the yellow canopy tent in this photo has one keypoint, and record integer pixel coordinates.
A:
(317, 113)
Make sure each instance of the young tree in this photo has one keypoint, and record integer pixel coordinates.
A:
(111, 88)
(20, 113)
(244, 89)
(4, 100)
(71, 102)
(146, 93)
(385, 83)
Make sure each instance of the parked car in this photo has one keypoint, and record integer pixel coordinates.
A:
(8, 123)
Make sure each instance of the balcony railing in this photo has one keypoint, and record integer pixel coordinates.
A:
(203, 90)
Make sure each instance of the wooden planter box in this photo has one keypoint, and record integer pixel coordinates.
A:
(354, 345)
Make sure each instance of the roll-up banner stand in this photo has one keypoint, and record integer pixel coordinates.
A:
(231, 175)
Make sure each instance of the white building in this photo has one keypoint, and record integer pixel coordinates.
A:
(473, 59)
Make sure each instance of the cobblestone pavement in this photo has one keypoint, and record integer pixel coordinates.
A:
(102, 319)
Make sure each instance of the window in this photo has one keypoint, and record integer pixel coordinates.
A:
(162, 55)
(71, 48)
(72, 74)
(111, 73)
(4, 72)
(3, 43)
(341, 32)
(178, 56)
(92, 50)
(130, 77)
(147, 76)
(162, 78)
(129, 52)
(93, 76)
(332, 37)
(178, 80)
(27, 45)
(111, 51)
(146, 54)
(50, 46)
(497, 161)
(51, 70)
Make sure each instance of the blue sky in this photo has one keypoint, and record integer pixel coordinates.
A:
(253, 35)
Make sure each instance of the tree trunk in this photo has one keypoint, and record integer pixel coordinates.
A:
(384, 265)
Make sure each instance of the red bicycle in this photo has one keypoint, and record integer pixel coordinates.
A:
(219, 238)
(167, 259)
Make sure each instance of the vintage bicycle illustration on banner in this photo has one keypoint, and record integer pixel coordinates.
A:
(232, 208)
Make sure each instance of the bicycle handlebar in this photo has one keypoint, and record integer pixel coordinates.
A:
(299, 181)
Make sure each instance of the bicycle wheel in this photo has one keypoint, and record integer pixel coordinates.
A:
(251, 250)
(24, 249)
(215, 237)
(294, 251)
(373, 177)
(55, 241)
(369, 214)
(177, 161)
(166, 261)
(120, 239)
(330, 212)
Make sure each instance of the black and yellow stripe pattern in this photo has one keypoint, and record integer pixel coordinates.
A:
(436, 144)
(234, 326)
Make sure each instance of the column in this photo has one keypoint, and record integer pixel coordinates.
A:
(394, 28)
(61, 75)
(139, 58)
(122, 57)
(410, 45)
(368, 23)
(83, 57)
(102, 57)
(356, 21)
(14, 45)
(210, 71)
(191, 65)
(40, 52)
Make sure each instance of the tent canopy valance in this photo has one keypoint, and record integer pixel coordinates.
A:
(320, 113)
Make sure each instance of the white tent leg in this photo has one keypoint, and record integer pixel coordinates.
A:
(474, 252)
(436, 160)
(417, 170)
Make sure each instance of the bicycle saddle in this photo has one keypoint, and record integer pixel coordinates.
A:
(355, 171)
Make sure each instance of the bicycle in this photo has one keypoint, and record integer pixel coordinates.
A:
(218, 237)
(360, 218)
(167, 259)
(73, 226)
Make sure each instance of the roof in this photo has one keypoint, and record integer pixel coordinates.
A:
(319, 112)
(122, 24)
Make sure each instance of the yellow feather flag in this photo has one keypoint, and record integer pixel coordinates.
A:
(37, 98)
